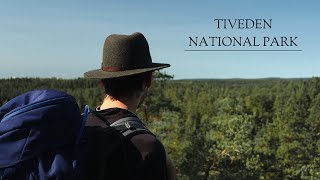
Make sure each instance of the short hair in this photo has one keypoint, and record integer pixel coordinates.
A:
(126, 86)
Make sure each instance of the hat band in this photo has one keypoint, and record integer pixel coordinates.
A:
(111, 69)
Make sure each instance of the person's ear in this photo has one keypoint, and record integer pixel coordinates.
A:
(149, 78)
(102, 83)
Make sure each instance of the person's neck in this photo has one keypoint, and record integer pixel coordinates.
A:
(130, 105)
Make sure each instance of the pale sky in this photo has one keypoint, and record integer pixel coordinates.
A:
(65, 38)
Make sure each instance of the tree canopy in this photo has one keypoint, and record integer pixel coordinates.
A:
(220, 129)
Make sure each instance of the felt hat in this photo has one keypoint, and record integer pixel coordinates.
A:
(125, 55)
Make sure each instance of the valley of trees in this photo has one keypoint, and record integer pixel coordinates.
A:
(220, 129)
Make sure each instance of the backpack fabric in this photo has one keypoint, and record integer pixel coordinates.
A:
(38, 133)
(103, 146)
(42, 136)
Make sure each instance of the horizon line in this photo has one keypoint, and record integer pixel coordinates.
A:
(231, 78)
(242, 50)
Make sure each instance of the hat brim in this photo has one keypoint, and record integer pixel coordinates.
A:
(100, 74)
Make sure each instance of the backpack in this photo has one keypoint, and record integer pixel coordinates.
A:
(42, 136)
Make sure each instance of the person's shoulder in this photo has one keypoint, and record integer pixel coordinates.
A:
(148, 144)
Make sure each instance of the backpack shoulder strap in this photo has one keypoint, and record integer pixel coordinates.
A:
(130, 126)
(127, 126)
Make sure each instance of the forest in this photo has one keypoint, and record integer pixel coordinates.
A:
(219, 129)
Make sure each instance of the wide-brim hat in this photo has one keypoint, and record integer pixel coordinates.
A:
(125, 55)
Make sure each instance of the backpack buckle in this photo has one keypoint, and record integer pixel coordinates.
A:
(128, 125)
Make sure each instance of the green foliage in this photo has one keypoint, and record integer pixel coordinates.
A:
(220, 129)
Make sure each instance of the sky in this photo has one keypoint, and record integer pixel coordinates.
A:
(64, 38)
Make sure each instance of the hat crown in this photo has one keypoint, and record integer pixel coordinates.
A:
(125, 52)
(125, 55)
